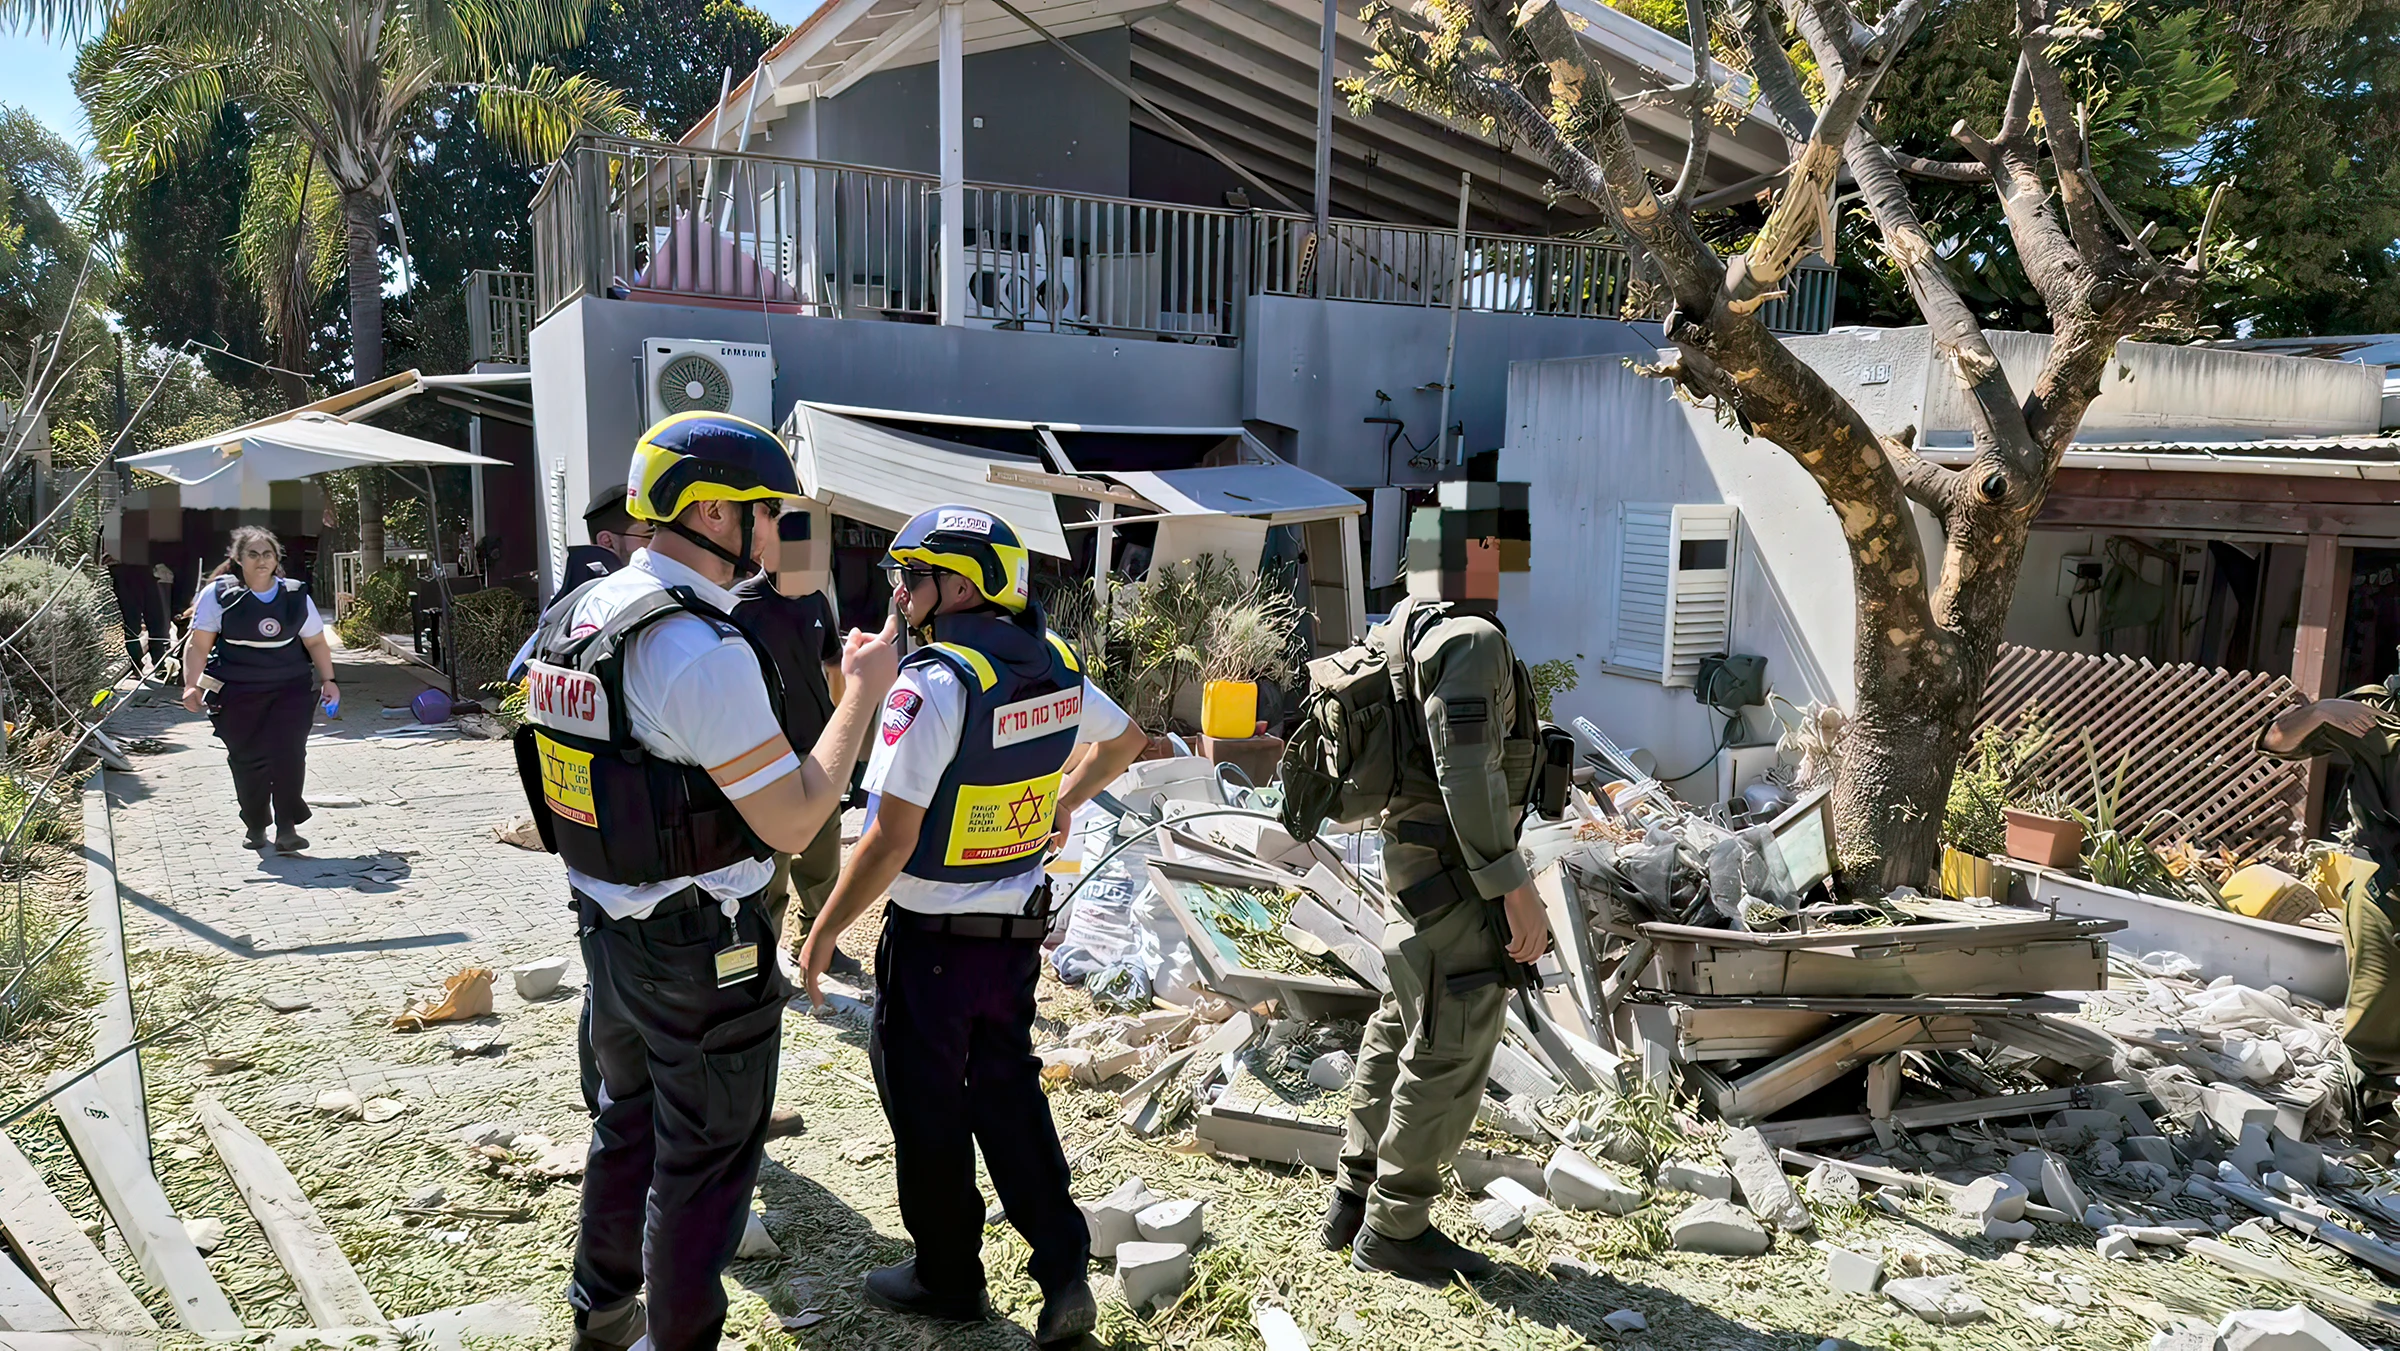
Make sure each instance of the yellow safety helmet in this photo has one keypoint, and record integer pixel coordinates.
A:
(704, 457)
(708, 457)
(973, 543)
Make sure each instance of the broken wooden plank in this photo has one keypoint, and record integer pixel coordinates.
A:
(2064, 1040)
(121, 1175)
(1347, 946)
(2382, 1256)
(47, 1237)
(1577, 956)
(2251, 1265)
(1688, 967)
(1819, 1063)
(23, 1306)
(1918, 937)
(1883, 1086)
(1920, 1005)
(75, 1340)
(1814, 1130)
(118, 1082)
(1654, 1040)
(329, 1288)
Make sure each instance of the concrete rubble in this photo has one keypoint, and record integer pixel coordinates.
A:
(1941, 1300)
(1152, 1272)
(1697, 1178)
(1853, 1273)
(1718, 1227)
(1577, 1183)
(1115, 1218)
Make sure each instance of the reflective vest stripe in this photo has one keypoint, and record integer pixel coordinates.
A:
(1065, 652)
(973, 660)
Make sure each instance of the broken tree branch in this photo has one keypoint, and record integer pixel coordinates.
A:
(1804, 212)
(1703, 107)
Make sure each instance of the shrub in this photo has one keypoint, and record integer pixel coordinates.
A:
(1988, 782)
(65, 640)
(380, 607)
(1551, 679)
(1201, 619)
(485, 628)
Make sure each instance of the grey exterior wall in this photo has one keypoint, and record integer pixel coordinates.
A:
(1304, 378)
(1314, 366)
(1047, 122)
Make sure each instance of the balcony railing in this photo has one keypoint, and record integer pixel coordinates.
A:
(632, 219)
(499, 316)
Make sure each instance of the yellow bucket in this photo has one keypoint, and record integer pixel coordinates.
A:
(1229, 709)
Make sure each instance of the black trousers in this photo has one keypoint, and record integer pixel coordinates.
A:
(265, 731)
(954, 1064)
(687, 1071)
(140, 605)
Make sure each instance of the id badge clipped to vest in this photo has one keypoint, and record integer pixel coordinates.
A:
(737, 961)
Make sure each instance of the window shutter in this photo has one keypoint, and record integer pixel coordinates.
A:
(1700, 618)
(1642, 587)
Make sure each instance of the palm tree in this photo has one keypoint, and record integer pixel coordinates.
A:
(289, 248)
(329, 84)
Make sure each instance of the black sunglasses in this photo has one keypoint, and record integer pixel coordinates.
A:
(914, 572)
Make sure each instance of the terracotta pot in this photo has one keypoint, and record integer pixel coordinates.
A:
(2050, 841)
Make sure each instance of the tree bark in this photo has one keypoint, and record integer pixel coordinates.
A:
(363, 213)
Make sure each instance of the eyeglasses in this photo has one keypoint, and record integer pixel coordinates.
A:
(906, 574)
(269, 554)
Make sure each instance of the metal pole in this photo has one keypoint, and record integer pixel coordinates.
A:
(1324, 179)
(951, 88)
(1458, 283)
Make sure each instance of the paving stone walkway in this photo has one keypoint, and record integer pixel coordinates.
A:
(402, 882)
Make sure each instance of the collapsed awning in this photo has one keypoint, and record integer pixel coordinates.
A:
(883, 477)
(298, 446)
(1277, 492)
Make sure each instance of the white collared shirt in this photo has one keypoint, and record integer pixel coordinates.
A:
(693, 696)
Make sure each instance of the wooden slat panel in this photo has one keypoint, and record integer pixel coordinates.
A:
(2191, 731)
(329, 1288)
(42, 1231)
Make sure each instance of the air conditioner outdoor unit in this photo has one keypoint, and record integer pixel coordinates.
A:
(683, 375)
(1015, 288)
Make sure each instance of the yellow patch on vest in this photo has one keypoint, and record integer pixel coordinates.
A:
(998, 823)
(567, 781)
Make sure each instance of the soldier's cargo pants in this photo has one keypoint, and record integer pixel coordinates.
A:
(1422, 1065)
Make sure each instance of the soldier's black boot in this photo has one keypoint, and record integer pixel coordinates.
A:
(1343, 1215)
(1431, 1258)
(897, 1288)
(1068, 1315)
(612, 1329)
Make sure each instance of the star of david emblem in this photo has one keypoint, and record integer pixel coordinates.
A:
(1025, 812)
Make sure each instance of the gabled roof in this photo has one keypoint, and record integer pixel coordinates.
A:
(1243, 74)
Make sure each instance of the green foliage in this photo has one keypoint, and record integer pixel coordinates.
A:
(65, 637)
(2291, 103)
(1987, 783)
(1551, 679)
(1163, 629)
(2116, 854)
(44, 242)
(485, 628)
(381, 606)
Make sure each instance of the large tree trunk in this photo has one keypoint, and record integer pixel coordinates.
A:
(365, 219)
(1897, 757)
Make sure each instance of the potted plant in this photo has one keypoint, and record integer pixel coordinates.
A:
(2042, 832)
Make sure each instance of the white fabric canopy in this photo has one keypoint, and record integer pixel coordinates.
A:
(883, 477)
(296, 447)
(1278, 492)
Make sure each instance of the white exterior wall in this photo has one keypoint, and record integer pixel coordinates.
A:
(1590, 434)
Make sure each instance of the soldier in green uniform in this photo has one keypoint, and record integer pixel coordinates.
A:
(2363, 728)
(1465, 919)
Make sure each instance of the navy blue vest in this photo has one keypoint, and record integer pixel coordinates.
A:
(992, 813)
(259, 644)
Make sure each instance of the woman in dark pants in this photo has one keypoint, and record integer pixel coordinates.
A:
(258, 657)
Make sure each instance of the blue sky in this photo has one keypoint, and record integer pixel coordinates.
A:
(39, 73)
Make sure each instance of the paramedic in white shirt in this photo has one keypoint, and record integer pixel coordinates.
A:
(684, 1014)
(969, 786)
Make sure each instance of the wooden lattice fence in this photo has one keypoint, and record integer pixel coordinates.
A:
(2196, 773)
